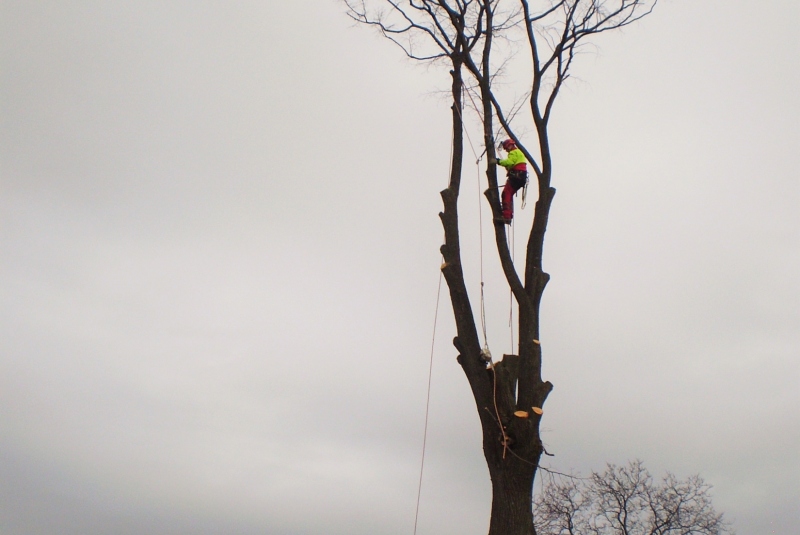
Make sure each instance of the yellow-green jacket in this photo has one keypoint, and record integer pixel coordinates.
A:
(515, 161)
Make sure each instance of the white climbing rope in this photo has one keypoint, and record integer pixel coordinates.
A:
(427, 403)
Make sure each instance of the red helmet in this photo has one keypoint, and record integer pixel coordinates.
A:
(509, 144)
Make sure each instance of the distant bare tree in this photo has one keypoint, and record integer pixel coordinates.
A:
(627, 501)
(477, 41)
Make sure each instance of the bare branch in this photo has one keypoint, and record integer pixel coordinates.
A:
(409, 29)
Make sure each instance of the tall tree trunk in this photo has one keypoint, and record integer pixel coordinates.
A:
(512, 495)
(512, 452)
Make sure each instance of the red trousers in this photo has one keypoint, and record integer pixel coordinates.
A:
(516, 179)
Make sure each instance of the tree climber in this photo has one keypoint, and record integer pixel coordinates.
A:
(517, 177)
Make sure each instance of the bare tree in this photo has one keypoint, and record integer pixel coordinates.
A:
(627, 501)
(477, 39)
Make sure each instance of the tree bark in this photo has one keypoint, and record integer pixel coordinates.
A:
(512, 494)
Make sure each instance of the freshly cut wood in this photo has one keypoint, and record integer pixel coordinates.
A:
(537, 410)
(521, 414)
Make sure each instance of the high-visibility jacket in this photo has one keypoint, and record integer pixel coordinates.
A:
(515, 161)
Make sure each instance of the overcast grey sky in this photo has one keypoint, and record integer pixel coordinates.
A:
(219, 258)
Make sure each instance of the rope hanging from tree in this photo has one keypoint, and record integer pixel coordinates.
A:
(427, 402)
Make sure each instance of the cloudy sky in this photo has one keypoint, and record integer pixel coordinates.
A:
(219, 263)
